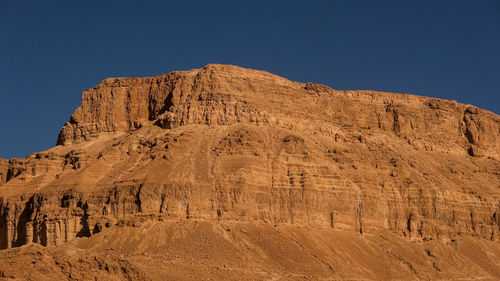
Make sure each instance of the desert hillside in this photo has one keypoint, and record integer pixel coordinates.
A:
(226, 173)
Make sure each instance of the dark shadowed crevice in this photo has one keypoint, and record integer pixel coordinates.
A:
(161, 120)
(24, 218)
(85, 230)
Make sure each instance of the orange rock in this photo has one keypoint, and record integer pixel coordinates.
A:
(235, 146)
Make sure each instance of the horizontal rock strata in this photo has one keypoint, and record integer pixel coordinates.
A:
(223, 143)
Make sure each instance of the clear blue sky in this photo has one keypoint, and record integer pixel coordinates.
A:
(51, 51)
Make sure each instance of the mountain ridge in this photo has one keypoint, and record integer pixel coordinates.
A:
(227, 147)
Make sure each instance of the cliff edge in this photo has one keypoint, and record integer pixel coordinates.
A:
(224, 145)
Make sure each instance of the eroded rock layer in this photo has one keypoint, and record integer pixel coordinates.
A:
(223, 143)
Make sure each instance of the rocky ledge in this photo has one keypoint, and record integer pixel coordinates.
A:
(224, 143)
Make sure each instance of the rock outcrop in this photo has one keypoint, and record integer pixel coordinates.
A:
(4, 168)
(227, 95)
(223, 143)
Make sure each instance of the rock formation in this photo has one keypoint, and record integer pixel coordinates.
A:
(224, 145)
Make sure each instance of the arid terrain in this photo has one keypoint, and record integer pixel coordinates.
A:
(226, 173)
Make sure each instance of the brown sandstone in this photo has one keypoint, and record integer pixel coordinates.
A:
(231, 173)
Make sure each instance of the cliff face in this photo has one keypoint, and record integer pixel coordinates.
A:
(4, 167)
(223, 143)
(227, 95)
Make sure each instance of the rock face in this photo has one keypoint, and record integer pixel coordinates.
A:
(223, 144)
(4, 168)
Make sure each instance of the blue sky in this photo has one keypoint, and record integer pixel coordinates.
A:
(51, 51)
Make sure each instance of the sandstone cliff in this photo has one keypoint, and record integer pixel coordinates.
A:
(227, 144)
(4, 167)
